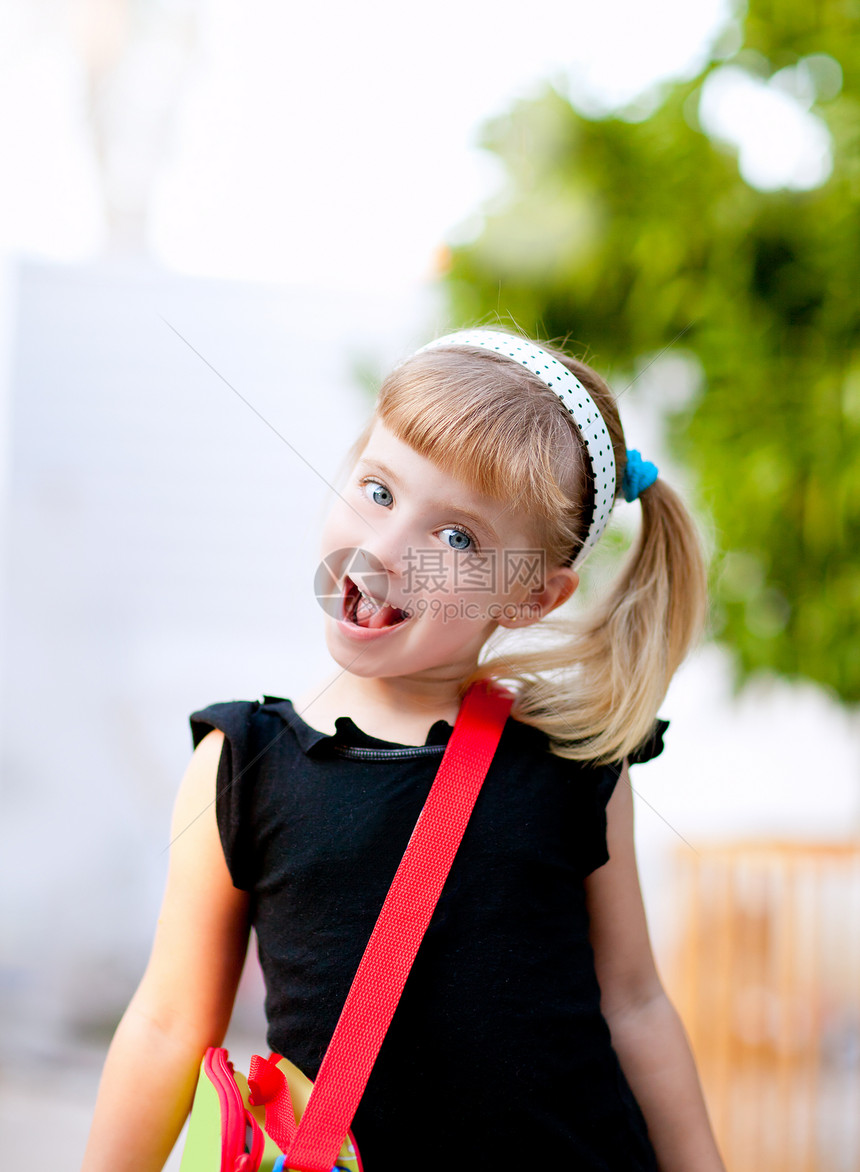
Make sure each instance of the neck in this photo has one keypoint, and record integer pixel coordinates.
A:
(401, 698)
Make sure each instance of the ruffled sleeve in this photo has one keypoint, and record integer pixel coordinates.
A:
(235, 780)
(596, 852)
(606, 780)
(652, 746)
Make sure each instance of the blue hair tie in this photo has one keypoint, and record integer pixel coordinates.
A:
(639, 474)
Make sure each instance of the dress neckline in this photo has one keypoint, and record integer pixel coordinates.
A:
(348, 732)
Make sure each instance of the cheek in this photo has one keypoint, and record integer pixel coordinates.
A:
(337, 532)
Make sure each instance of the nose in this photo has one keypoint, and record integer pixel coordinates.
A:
(385, 553)
(387, 544)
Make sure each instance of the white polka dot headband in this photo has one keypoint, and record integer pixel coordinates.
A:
(575, 399)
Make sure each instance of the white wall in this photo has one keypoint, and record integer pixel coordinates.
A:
(161, 545)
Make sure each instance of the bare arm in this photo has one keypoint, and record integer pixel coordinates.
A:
(185, 998)
(647, 1033)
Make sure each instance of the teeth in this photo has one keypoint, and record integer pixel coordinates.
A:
(367, 598)
(362, 600)
(367, 612)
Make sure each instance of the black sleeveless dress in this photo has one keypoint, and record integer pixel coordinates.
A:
(498, 1056)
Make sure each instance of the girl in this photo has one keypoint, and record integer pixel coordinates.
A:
(533, 1031)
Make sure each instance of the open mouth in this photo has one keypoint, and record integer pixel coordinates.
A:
(363, 611)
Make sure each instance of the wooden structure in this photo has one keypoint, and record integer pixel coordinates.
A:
(767, 980)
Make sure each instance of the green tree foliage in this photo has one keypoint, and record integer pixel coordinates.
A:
(627, 233)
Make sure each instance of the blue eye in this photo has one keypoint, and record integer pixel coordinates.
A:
(463, 540)
(379, 494)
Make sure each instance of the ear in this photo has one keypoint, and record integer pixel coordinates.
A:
(558, 586)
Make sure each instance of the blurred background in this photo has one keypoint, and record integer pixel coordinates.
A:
(219, 226)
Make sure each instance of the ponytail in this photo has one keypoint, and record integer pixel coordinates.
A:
(596, 691)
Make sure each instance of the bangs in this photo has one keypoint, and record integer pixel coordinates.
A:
(484, 420)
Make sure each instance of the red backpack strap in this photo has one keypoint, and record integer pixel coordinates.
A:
(394, 942)
(268, 1088)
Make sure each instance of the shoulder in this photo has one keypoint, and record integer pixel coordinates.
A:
(536, 741)
(594, 796)
(197, 788)
(612, 780)
(526, 755)
(245, 765)
(230, 717)
(533, 752)
(247, 725)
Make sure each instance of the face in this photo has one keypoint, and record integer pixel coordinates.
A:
(440, 567)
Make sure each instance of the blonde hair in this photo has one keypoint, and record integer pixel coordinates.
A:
(494, 425)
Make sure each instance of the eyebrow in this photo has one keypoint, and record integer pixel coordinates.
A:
(479, 521)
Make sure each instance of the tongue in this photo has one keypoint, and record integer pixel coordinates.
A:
(367, 615)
